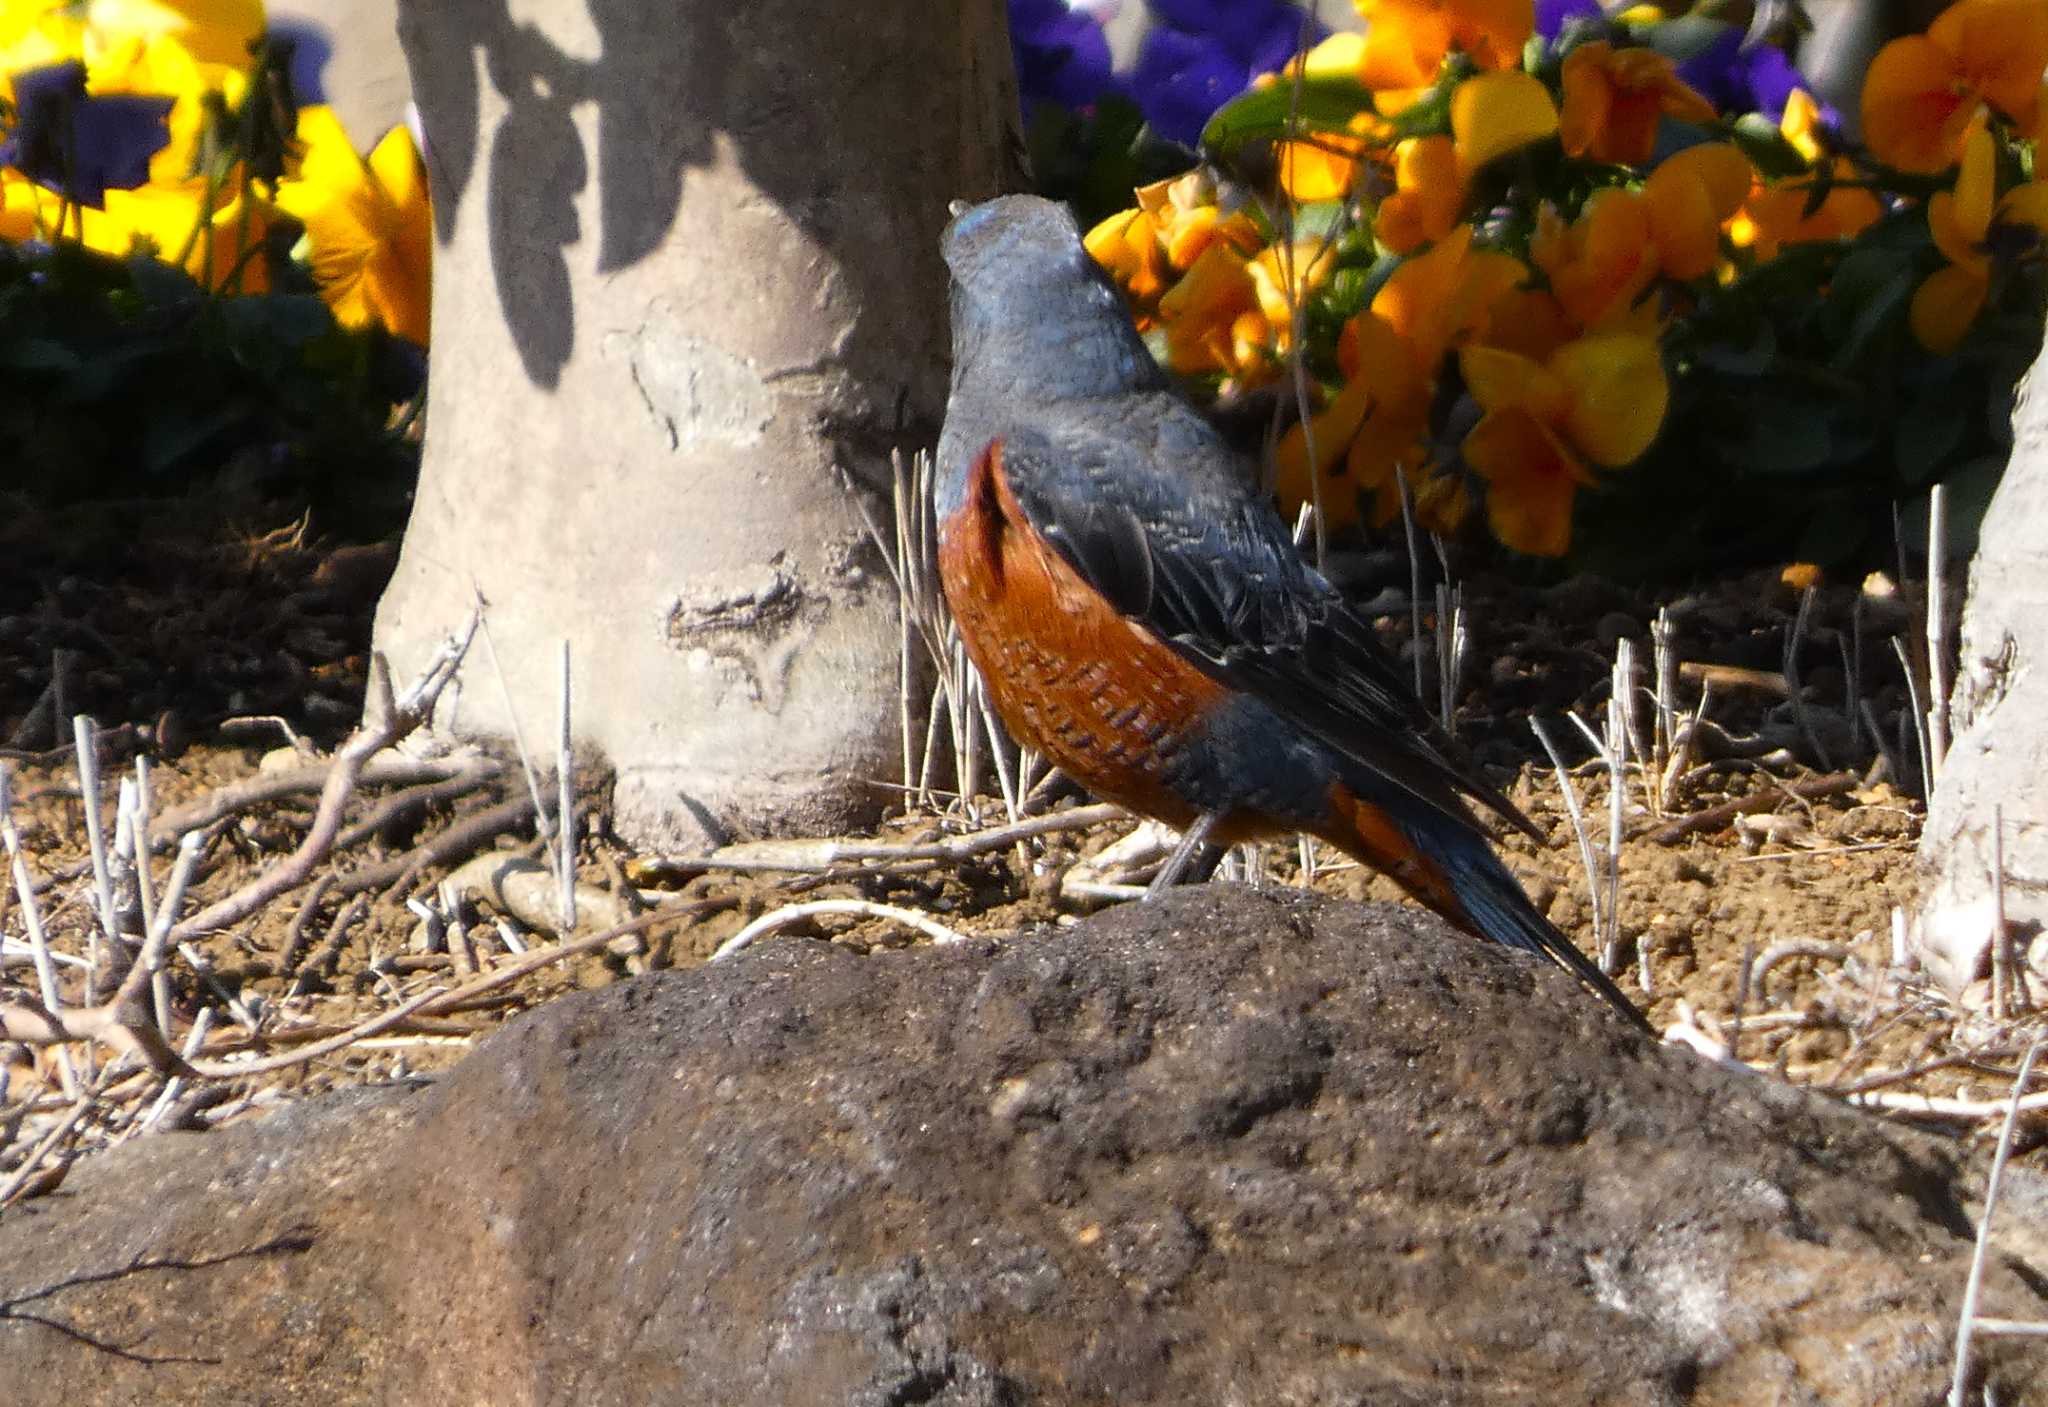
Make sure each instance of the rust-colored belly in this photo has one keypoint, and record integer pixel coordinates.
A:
(1070, 676)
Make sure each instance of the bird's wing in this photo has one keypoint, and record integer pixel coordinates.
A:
(1204, 564)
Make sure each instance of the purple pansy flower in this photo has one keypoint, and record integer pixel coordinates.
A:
(1204, 53)
(82, 146)
(1553, 15)
(1181, 79)
(1062, 55)
(1735, 80)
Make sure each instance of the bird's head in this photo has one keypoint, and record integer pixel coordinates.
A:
(1033, 314)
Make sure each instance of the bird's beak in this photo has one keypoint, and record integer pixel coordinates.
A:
(956, 208)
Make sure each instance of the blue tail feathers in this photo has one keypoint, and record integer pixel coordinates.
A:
(1501, 911)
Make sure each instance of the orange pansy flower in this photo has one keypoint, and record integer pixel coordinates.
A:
(1601, 263)
(1614, 99)
(1375, 423)
(1406, 41)
(1442, 298)
(1922, 90)
(1129, 247)
(1776, 214)
(1963, 223)
(1689, 197)
(1203, 314)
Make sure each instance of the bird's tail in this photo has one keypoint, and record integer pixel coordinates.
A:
(1447, 862)
(1497, 908)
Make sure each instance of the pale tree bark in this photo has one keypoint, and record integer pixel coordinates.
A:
(1998, 763)
(353, 46)
(686, 301)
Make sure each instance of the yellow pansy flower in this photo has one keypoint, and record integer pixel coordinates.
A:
(1600, 398)
(1496, 113)
(369, 223)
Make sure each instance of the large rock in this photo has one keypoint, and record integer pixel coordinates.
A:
(1230, 1147)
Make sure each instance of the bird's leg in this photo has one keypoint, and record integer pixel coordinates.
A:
(1193, 841)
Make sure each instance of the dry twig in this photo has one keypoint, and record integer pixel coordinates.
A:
(1971, 1289)
(862, 908)
(1715, 817)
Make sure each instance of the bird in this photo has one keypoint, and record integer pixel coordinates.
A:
(1139, 613)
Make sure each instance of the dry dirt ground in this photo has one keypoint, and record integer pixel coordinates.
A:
(1756, 896)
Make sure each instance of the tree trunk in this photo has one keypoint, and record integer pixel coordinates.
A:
(1998, 763)
(687, 299)
(352, 47)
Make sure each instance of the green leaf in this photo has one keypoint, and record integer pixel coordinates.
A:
(1929, 432)
(1833, 535)
(1276, 112)
(32, 354)
(160, 284)
(1766, 146)
(103, 375)
(175, 431)
(1322, 219)
(1773, 433)
(1970, 486)
(1349, 292)
(1752, 358)
(288, 318)
(1871, 287)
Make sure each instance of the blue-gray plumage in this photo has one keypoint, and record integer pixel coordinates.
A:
(1140, 613)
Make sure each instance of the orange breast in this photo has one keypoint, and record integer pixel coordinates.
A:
(1102, 697)
(1367, 834)
(1106, 699)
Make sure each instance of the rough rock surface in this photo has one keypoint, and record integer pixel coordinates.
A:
(1227, 1148)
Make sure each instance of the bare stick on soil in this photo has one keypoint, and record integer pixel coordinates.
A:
(454, 998)
(1975, 1284)
(806, 856)
(1937, 631)
(1414, 572)
(39, 943)
(1576, 815)
(1792, 948)
(1715, 817)
(96, 845)
(389, 719)
(1919, 720)
(1795, 634)
(22, 1175)
(460, 839)
(322, 957)
(863, 908)
(565, 807)
(238, 797)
